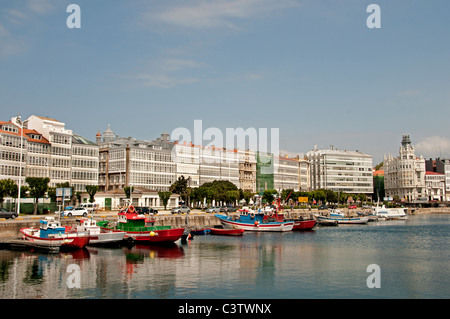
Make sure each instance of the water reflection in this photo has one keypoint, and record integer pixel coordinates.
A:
(325, 263)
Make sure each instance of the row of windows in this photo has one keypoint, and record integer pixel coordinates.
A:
(11, 170)
(84, 163)
(86, 176)
(12, 156)
(61, 139)
(12, 141)
(85, 151)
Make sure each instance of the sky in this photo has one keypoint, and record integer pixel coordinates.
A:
(312, 69)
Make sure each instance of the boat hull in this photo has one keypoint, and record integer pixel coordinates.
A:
(227, 232)
(152, 236)
(304, 224)
(69, 241)
(105, 238)
(355, 220)
(228, 223)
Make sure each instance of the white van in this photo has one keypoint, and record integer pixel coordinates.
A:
(90, 207)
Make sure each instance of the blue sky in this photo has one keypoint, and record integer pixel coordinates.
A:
(313, 69)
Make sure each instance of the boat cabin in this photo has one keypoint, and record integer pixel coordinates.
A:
(89, 225)
(49, 228)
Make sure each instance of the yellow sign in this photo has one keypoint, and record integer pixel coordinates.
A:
(303, 199)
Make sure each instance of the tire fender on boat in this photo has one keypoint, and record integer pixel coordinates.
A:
(252, 215)
(131, 209)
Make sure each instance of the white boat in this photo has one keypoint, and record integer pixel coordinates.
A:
(389, 213)
(96, 235)
(342, 220)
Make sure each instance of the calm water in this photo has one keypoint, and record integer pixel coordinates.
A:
(329, 262)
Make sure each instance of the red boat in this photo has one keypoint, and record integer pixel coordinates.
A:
(227, 232)
(304, 224)
(51, 231)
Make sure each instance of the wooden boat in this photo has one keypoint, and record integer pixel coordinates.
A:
(255, 221)
(304, 224)
(51, 231)
(344, 220)
(97, 236)
(227, 232)
(203, 231)
(136, 228)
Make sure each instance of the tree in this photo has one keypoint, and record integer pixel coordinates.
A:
(38, 188)
(128, 191)
(268, 195)
(92, 190)
(180, 187)
(164, 196)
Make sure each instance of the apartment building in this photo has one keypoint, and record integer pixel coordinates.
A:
(340, 170)
(441, 166)
(404, 175)
(130, 162)
(286, 173)
(48, 150)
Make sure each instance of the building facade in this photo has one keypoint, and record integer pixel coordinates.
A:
(441, 166)
(125, 162)
(286, 173)
(340, 171)
(247, 170)
(48, 150)
(435, 186)
(404, 175)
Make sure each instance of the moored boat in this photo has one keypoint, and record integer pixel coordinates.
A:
(304, 224)
(389, 213)
(343, 220)
(136, 229)
(256, 221)
(51, 231)
(227, 232)
(96, 235)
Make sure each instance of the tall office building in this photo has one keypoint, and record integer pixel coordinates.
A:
(341, 170)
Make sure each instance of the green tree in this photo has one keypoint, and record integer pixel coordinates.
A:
(180, 187)
(268, 195)
(128, 190)
(164, 196)
(91, 190)
(38, 188)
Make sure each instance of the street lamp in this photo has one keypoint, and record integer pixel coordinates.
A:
(19, 122)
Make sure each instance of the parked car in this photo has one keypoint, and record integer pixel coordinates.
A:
(323, 207)
(90, 207)
(145, 210)
(181, 210)
(227, 209)
(7, 214)
(352, 207)
(77, 211)
(213, 209)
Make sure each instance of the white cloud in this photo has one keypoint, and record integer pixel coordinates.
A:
(433, 146)
(40, 6)
(163, 80)
(203, 14)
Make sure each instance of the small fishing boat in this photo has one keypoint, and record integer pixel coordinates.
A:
(326, 221)
(51, 231)
(227, 232)
(304, 224)
(343, 220)
(202, 231)
(256, 221)
(96, 235)
(137, 228)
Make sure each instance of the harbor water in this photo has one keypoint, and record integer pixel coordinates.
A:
(325, 263)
